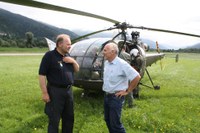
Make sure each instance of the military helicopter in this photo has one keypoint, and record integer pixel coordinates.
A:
(88, 52)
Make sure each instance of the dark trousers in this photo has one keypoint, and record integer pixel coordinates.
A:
(112, 113)
(60, 107)
(132, 95)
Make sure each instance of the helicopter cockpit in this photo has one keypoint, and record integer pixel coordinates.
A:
(88, 55)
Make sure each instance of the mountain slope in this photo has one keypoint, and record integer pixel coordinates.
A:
(18, 25)
(195, 46)
(152, 44)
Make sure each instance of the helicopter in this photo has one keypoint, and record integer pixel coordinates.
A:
(88, 52)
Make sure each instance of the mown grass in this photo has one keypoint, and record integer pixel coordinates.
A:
(22, 50)
(173, 108)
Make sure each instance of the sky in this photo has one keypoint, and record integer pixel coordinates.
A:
(176, 15)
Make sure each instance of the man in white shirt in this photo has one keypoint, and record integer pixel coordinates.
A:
(117, 74)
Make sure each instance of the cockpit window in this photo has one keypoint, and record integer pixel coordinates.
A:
(80, 48)
(89, 56)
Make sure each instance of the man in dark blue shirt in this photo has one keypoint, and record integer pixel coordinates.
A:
(57, 68)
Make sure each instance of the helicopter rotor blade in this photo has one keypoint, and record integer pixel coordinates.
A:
(162, 30)
(42, 5)
(118, 25)
(124, 26)
(84, 36)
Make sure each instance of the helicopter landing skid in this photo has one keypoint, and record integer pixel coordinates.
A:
(155, 87)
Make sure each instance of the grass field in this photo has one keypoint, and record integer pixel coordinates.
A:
(174, 108)
(22, 50)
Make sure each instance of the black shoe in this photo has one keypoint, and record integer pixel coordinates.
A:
(135, 96)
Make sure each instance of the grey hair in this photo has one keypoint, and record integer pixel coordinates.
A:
(114, 47)
(60, 38)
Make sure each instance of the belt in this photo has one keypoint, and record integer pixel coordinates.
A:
(109, 94)
(59, 86)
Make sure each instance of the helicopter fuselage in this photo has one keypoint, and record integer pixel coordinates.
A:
(88, 54)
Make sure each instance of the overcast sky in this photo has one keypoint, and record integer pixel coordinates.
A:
(177, 15)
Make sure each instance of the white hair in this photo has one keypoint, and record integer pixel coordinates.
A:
(114, 47)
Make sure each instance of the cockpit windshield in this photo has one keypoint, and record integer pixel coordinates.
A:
(89, 56)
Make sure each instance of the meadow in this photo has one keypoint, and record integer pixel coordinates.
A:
(174, 108)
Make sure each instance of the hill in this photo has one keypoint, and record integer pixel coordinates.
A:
(18, 25)
(195, 46)
(152, 44)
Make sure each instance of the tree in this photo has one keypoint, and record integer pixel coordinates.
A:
(29, 39)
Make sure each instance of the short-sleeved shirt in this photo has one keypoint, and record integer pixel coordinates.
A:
(117, 74)
(56, 71)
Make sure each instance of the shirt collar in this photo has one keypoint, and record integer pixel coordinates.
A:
(114, 61)
(57, 53)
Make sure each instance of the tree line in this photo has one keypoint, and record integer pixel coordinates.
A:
(186, 50)
(29, 41)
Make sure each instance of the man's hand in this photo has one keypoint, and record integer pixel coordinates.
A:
(132, 86)
(42, 82)
(121, 93)
(68, 60)
(45, 97)
(72, 61)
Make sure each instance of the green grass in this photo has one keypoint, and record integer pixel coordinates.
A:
(173, 108)
(22, 50)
